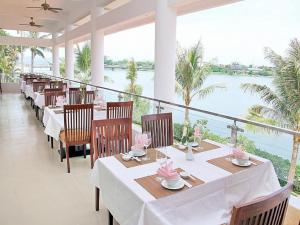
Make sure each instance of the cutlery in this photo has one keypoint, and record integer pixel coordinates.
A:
(187, 184)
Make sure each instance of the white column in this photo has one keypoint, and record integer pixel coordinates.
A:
(55, 57)
(165, 51)
(69, 55)
(97, 49)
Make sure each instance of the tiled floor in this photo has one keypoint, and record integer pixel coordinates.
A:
(34, 186)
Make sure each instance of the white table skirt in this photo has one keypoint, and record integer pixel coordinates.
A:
(29, 91)
(207, 204)
(23, 84)
(54, 123)
(39, 100)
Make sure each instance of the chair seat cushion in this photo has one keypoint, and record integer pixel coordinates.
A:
(75, 135)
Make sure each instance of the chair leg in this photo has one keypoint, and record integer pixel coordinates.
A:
(61, 151)
(48, 138)
(67, 156)
(92, 160)
(84, 151)
(51, 142)
(110, 218)
(97, 198)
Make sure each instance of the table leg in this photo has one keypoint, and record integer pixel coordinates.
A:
(97, 198)
(110, 218)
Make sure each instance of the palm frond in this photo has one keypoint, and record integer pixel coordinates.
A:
(202, 93)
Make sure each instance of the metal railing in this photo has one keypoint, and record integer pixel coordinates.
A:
(161, 103)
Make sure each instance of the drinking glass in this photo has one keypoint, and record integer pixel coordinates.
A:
(230, 147)
(161, 156)
(147, 144)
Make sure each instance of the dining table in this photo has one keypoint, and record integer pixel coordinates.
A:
(134, 195)
(39, 99)
(53, 119)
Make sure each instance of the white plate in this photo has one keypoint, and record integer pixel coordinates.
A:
(235, 162)
(194, 144)
(142, 153)
(178, 186)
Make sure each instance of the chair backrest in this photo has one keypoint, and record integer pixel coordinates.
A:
(74, 96)
(111, 136)
(56, 84)
(116, 110)
(38, 86)
(268, 210)
(29, 80)
(78, 122)
(161, 128)
(89, 97)
(51, 95)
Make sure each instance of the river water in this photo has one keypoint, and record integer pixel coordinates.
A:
(231, 101)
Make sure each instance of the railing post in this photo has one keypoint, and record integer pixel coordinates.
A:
(120, 97)
(234, 129)
(158, 108)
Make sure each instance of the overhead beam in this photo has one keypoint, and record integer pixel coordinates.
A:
(139, 12)
(8, 40)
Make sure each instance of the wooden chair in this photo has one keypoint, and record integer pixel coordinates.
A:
(77, 128)
(38, 86)
(161, 128)
(268, 210)
(51, 95)
(89, 97)
(74, 96)
(110, 137)
(119, 110)
(56, 84)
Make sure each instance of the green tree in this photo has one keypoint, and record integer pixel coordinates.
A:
(141, 106)
(191, 73)
(36, 50)
(283, 103)
(83, 64)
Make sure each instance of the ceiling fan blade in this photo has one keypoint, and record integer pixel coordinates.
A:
(56, 8)
(33, 7)
(37, 25)
(24, 24)
(53, 10)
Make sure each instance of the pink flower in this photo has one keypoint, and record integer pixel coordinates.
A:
(197, 131)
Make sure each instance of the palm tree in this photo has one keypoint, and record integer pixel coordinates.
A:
(191, 73)
(83, 64)
(36, 50)
(283, 103)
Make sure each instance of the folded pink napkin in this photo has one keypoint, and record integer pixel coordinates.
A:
(197, 131)
(168, 172)
(239, 153)
(140, 139)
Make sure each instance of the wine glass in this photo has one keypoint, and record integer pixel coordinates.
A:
(147, 143)
(161, 156)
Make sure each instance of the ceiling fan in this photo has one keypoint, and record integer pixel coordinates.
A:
(31, 23)
(45, 6)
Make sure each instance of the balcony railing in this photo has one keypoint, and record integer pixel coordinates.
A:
(274, 143)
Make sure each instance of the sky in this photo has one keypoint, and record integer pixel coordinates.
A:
(233, 33)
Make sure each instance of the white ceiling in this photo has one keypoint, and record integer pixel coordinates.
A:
(14, 12)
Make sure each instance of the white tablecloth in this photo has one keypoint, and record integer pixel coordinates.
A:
(39, 100)
(23, 84)
(29, 91)
(207, 204)
(54, 123)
